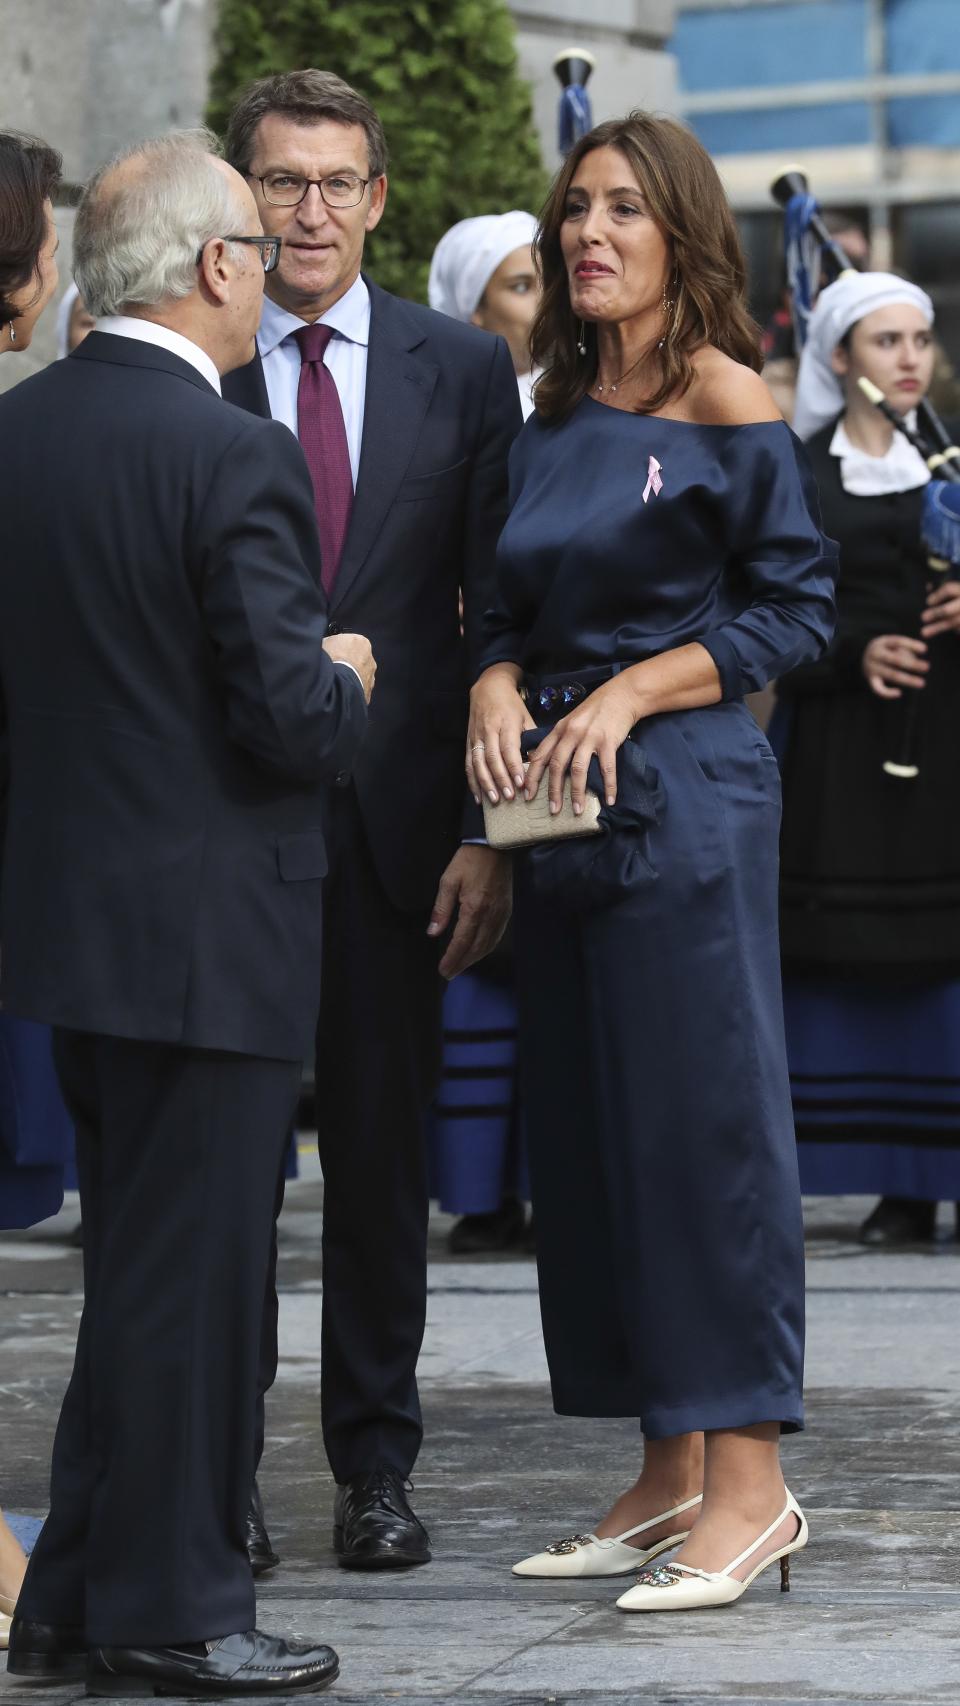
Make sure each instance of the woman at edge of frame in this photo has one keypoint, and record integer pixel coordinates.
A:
(662, 557)
(870, 891)
(35, 1133)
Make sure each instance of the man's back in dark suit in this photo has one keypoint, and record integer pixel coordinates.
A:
(439, 411)
(171, 716)
(169, 733)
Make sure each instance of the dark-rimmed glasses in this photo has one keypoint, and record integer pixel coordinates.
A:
(269, 248)
(285, 189)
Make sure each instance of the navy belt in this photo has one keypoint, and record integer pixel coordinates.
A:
(555, 695)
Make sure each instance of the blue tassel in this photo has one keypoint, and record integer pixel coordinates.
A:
(941, 520)
(575, 116)
(802, 260)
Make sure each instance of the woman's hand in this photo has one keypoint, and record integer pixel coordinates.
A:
(942, 612)
(498, 717)
(892, 662)
(599, 726)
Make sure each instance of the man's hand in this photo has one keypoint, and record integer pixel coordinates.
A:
(354, 649)
(477, 886)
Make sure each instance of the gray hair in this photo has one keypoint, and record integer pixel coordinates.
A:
(144, 217)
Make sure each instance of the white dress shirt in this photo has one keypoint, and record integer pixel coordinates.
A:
(148, 332)
(345, 358)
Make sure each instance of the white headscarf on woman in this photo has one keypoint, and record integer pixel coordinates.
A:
(468, 255)
(819, 391)
(67, 302)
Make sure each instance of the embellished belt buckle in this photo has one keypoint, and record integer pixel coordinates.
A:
(567, 694)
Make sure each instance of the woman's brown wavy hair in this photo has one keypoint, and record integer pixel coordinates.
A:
(29, 176)
(708, 282)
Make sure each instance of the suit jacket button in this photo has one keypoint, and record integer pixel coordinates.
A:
(334, 628)
(340, 780)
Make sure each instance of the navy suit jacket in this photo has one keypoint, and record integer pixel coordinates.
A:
(171, 715)
(441, 411)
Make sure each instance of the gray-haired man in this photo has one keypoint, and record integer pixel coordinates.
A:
(174, 710)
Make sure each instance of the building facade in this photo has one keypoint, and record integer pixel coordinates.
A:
(864, 95)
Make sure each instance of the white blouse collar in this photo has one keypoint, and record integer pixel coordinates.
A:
(901, 469)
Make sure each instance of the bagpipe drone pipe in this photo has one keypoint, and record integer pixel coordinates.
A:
(811, 254)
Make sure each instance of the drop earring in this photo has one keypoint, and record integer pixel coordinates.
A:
(667, 306)
(582, 339)
(11, 328)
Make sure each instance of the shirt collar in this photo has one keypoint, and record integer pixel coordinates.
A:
(162, 337)
(900, 469)
(350, 316)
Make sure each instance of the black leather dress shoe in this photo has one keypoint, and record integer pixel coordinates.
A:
(46, 1653)
(898, 1221)
(259, 1550)
(237, 1665)
(374, 1527)
(486, 1234)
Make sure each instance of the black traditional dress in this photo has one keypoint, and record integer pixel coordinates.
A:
(870, 885)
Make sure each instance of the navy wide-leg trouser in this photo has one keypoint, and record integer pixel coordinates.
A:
(657, 1104)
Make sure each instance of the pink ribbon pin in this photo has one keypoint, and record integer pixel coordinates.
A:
(654, 483)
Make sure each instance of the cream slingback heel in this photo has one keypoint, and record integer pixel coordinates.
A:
(586, 1555)
(680, 1587)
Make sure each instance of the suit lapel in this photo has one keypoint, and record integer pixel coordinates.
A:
(400, 384)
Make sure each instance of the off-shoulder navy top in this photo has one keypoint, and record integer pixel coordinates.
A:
(629, 535)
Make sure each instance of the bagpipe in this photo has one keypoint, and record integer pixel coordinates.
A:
(811, 253)
(572, 68)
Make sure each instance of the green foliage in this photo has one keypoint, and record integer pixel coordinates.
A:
(443, 76)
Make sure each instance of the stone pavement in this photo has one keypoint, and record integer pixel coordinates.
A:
(874, 1613)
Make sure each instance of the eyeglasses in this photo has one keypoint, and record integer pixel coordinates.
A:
(283, 189)
(269, 248)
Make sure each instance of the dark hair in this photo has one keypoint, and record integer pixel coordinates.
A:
(708, 283)
(309, 95)
(29, 175)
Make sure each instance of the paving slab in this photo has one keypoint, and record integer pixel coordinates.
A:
(874, 1611)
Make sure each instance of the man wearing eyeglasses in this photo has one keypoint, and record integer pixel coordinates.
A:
(406, 418)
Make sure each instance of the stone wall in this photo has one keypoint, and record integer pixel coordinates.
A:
(91, 76)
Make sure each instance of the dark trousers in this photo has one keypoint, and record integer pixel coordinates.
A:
(178, 1152)
(378, 1060)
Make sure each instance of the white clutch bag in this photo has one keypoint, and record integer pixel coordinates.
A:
(522, 823)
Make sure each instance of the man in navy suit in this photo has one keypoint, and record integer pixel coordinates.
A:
(173, 711)
(406, 418)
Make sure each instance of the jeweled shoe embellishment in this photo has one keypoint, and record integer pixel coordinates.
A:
(563, 1548)
(662, 1576)
(654, 483)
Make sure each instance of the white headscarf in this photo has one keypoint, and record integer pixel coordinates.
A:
(70, 296)
(468, 255)
(840, 306)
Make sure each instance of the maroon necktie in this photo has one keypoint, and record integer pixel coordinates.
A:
(323, 439)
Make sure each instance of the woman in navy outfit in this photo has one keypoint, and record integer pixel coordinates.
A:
(662, 558)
